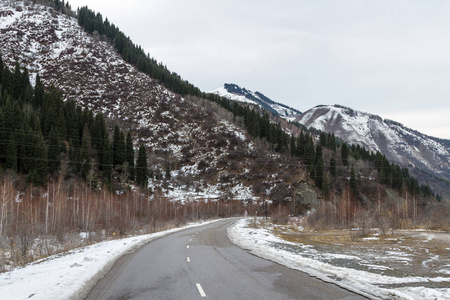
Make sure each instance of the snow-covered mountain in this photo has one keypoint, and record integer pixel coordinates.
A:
(397, 142)
(236, 93)
(208, 155)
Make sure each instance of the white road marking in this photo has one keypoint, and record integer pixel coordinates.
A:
(188, 246)
(190, 240)
(188, 259)
(200, 290)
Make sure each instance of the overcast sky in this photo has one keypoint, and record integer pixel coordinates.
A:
(390, 58)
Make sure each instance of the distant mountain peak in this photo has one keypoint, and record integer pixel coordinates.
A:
(398, 143)
(236, 93)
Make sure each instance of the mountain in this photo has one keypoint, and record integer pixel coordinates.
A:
(203, 149)
(193, 140)
(236, 93)
(407, 147)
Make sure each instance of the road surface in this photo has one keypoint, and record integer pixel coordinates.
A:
(202, 263)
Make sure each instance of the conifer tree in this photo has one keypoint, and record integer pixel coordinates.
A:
(40, 164)
(332, 142)
(310, 155)
(119, 148)
(38, 98)
(4, 135)
(107, 159)
(1, 69)
(73, 156)
(318, 174)
(333, 167)
(130, 157)
(72, 120)
(323, 139)
(344, 154)
(6, 80)
(292, 147)
(301, 145)
(319, 153)
(11, 153)
(85, 154)
(98, 132)
(8, 115)
(53, 152)
(16, 82)
(142, 167)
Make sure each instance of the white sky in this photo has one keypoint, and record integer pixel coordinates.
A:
(390, 58)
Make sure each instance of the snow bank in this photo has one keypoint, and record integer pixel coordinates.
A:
(72, 274)
(261, 243)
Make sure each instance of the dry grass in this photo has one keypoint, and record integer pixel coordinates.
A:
(332, 237)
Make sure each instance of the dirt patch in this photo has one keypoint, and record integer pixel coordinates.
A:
(402, 253)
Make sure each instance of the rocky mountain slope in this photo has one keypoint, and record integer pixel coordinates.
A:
(190, 140)
(236, 93)
(398, 143)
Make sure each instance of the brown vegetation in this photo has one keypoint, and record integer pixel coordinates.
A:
(37, 222)
(385, 213)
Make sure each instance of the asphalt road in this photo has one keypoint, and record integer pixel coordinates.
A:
(202, 263)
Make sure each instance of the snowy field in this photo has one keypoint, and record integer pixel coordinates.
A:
(72, 274)
(379, 272)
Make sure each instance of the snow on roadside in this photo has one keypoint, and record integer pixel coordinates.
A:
(71, 275)
(261, 242)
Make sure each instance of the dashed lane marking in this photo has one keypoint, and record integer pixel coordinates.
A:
(200, 290)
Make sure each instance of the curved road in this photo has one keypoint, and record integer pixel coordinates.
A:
(202, 263)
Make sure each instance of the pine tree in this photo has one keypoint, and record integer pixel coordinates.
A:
(98, 132)
(310, 155)
(38, 99)
(107, 159)
(11, 153)
(4, 135)
(301, 145)
(86, 153)
(318, 174)
(332, 142)
(40, 160)
(344, 154)
(74, 156)
(26, 141)
(168, 174)
(16, 82)
(37, 173)
(142, 167)
(130, 157)
(323, 139)
(1, 69)
(319, 153)
(7, 80)
(72, 120)
(333, 167)
(53, 152)
(119, 148)
(292, 147)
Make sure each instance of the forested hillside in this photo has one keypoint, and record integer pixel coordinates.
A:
(94, 145)
(44, 137)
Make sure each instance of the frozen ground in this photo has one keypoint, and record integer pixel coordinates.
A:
(398, 271)
(407, 265)
(71, 274)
